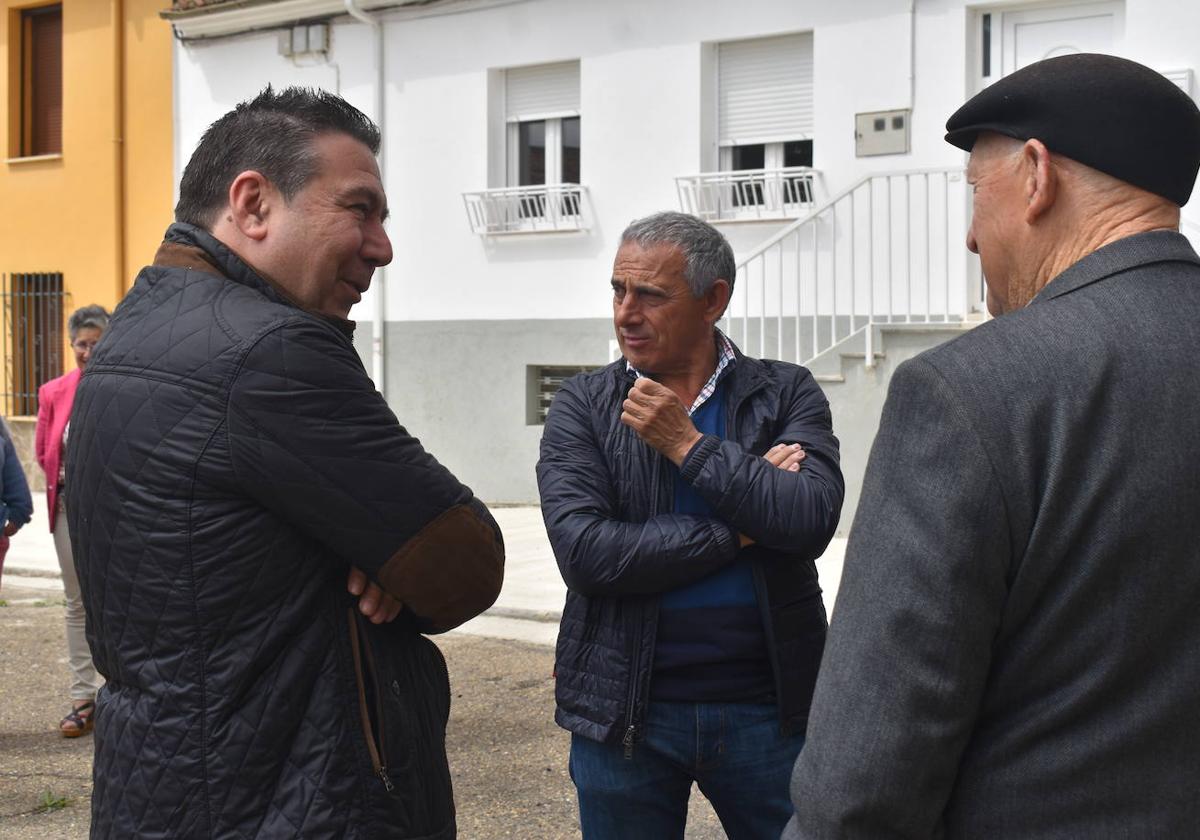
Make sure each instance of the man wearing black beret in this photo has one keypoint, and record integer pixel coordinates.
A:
(1015, 649)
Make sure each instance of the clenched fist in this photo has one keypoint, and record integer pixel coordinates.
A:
(660, 419)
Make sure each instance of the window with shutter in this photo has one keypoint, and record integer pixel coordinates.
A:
(41, 81)
(765, 90)
(541, 107)
(765, 122)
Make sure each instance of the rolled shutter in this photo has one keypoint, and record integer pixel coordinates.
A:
(765, 90)
(43, 87)
(543, 91)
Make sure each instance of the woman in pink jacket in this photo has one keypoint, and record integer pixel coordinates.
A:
(55, 399)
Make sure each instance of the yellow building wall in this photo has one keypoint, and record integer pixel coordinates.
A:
(97, 212)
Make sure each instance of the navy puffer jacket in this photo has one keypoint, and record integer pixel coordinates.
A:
(607, 502)
(229, 460)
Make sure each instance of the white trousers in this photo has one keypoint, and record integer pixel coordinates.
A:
(84, 679)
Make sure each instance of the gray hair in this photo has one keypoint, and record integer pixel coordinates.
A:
(706, 253)
(92, 316)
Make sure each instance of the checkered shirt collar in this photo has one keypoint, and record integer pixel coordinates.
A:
(725, 358)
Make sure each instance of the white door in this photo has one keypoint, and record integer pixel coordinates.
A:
(1013, 38)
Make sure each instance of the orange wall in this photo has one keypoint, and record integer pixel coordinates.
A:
(97, 212)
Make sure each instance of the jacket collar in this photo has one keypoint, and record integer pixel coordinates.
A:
(744, 376)
(1141, 249)
(191, 247)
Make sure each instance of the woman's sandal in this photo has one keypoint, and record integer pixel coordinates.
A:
(78, 721)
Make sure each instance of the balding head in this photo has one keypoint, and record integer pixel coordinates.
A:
(1037, 213)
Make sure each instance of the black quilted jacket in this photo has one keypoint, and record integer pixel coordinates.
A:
(607, 501)
(229, 460)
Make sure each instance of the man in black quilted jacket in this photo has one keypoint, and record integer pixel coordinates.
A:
(687, 490)
(260, 543)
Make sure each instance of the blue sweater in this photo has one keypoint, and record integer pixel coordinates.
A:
(710, 646)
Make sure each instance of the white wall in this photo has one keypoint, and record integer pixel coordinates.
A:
(1166, 36)
(643, 105)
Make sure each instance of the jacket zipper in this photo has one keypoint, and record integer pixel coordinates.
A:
(374, 740)
(630, 722)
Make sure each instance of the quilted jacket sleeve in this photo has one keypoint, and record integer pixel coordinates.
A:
(597, 553)
(794, 512)
(312, 440)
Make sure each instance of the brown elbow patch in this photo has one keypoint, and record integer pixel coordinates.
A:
(450, 571)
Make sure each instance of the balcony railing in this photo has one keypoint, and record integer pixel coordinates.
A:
(748, 194)
(544, 208)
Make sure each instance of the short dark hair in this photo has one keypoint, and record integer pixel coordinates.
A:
(271, 134)
(706, 252)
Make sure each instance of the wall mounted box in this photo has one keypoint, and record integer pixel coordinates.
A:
(881, 133)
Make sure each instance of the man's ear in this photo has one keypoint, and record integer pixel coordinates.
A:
(716, 299)
(250, 200)
(1041, 180)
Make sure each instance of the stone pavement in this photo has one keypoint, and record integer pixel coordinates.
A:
(507, 757)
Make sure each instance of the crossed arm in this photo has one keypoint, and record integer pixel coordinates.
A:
(312, 440)
(752, 496)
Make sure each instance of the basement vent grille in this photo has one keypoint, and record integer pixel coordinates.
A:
(543, 383)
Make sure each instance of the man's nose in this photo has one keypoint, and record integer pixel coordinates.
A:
(377, 246)
(626, 310)
(972, 245)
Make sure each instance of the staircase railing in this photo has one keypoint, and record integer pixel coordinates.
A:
(887, 250)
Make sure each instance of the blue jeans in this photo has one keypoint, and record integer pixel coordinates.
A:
(733, 751)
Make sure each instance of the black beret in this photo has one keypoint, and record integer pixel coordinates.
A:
(1108, 113)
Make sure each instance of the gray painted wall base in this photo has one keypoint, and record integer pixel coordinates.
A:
(460, 386)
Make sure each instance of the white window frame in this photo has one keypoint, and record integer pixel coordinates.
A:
(772, 154)
(554, 155)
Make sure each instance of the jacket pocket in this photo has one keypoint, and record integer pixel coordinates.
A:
(407, 675)
(370, 706)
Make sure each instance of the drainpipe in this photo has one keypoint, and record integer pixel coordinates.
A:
(118, 22)
(378, 356)
(912, 56)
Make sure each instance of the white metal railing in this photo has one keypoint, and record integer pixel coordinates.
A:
(888, 250)
(542, 208)
(748, 194)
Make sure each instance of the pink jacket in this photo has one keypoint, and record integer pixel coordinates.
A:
(55, 399)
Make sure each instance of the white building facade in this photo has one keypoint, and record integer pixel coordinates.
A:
(521, 136)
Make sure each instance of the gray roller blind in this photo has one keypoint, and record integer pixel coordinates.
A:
(541, 91)
(765, 89)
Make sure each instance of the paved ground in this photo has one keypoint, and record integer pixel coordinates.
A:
(507, 756)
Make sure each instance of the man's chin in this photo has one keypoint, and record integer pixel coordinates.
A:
(338, 313)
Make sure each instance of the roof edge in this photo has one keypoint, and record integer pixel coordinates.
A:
(232, 17)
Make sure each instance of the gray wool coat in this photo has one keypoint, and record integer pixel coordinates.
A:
(1015, 649)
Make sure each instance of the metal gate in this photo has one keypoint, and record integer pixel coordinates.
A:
(33, 306)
